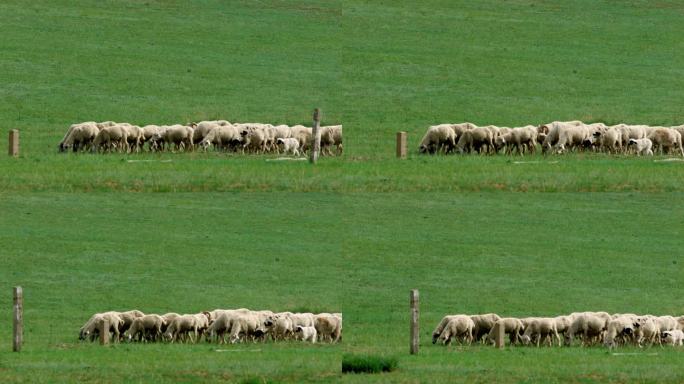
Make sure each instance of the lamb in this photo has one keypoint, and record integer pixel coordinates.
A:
(289, 145)
(438, 138)
(674, 337)
(540, 329)
(642, 146)
(458, 326)
(146, 327)
(306, 333)
(512, 326)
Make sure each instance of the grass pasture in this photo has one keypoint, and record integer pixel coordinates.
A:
(187, 232)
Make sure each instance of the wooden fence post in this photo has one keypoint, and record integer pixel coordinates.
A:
(316, 137)
(401, 145)
(499, 331)
(415, 329)
(14, 142)
(104, 332)
(18, 319)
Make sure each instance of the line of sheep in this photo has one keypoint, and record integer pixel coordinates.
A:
(591, 328)
(221, 135)
(219, 325)
(555, 137)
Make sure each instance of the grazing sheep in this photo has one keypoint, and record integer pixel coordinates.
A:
(438, 138)
(483, 324)
(303, 135)
(458, 326)
(521, 138)
(147, 327)
(109, 138)
(182, 328)
(541, 329)
(646, 330)
(79, 136)
(642, 146)
(475, 140)
(306, 333)
(512, 327)
(619, 331)
(289, 145)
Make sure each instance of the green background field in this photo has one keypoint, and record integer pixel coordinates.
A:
(84, 233)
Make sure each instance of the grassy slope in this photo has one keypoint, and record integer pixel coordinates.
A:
(378, 68)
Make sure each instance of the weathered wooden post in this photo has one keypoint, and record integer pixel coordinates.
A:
(401, 145)
(18, 319)
(14, 142)
(415, 329)
(104, 332)
(499, 331)
(315, 136)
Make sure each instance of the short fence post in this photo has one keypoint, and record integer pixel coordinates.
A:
(14, 142)
(104, 332)
(401, 145)
(18, 319)
(499, 332)
(316, 137)
(415, 329)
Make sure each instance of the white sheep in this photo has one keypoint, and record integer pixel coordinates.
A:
(674, 337)
(438, 138)
(306, 333)
(542, 328)
(289, 145)
(147, 327)
(642, 146)
(328, 327)
(458, 326)
(512, 327)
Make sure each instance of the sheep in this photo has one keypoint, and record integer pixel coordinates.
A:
(135, 136)
(475, 139)
(460, 128)
(621, 328)
(221, 136)
(146, 327)
(674, 337)
(219, 327)
(483, 324)
(79, 136)
(331, 136)
(666, 323)
(110, 137)
(289, 145)
(511, 326)
(168, 318)
(438, 138)
(279, 325)
(253, 137)
(180, 136)
(646, 330)
(92, 327)
(588, 325)
(666, 139)
(303, 135)
(328, 327)
(642, 146)
(521, 138)
(609, 139)
(184, 327)
(563, 324)
(541, 329)
(571, 136)
(245, 325)
(306, 333)
(459, 325)
(440, 327)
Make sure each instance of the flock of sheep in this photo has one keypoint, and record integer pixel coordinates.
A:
(555, 137)
(590, 327)
(109, 136)
(237, 325)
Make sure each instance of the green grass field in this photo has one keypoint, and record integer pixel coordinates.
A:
(187, 232)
